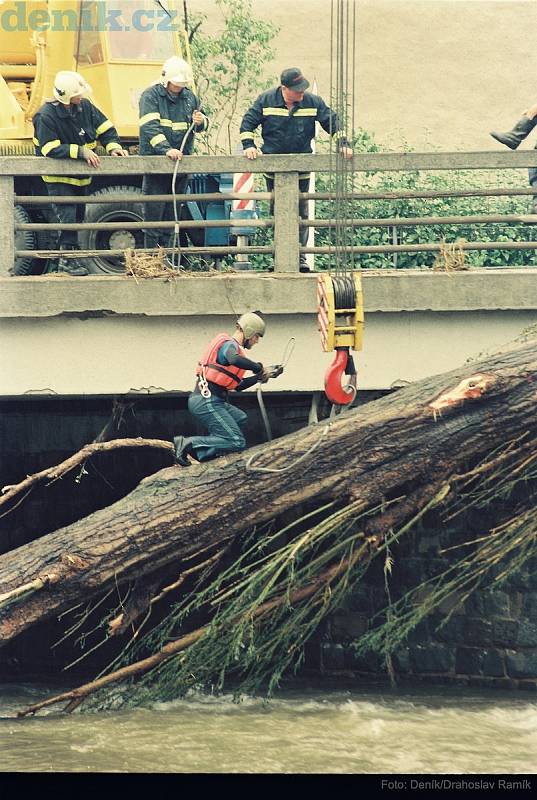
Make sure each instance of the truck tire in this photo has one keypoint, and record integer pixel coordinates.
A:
(112, 240)
(24, 240)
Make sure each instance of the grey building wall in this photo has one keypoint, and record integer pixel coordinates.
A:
(432, 73)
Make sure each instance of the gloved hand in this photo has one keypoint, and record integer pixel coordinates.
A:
(275, 370)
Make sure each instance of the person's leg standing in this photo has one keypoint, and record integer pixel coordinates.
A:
(532, 177)
(303, 210)
(269, 180)
(155, 211)
(68, 214)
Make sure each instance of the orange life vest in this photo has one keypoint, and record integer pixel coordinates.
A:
(228, 377)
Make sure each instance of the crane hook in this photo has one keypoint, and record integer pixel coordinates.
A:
(343, 364)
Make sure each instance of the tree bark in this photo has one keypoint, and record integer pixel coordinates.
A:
(406, 444)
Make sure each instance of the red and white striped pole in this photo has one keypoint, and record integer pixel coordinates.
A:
(242, 182)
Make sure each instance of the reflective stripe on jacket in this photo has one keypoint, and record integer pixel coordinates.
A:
(227, 377)
(165, 119)
(285, 131)
(62, 131)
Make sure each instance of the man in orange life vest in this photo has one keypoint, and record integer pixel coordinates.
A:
(221, 370)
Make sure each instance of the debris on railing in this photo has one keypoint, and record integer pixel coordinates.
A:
(148, 265)
(451, 256)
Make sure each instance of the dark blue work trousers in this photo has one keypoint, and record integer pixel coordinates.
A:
(160, 211)
(303, 205)
(222, 420)
(67, 212)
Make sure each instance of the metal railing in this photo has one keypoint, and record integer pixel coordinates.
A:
(285, 248)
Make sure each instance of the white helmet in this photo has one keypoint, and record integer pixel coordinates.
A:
(69, 84)
(176, 70)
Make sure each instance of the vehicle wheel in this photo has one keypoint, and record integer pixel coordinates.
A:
(24, 240)
(112, 240)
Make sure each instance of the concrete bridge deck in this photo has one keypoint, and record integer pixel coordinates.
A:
(97, 336)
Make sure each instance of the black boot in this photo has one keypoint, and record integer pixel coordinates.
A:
(513, 138)
(304, 266)
(72, 266)
(183, 448)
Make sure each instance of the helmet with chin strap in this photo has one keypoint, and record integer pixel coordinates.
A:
(68, 85)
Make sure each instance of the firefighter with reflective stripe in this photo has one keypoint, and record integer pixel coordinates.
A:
(287, 115)
(220, 370)
(69, 127)
(167, 110)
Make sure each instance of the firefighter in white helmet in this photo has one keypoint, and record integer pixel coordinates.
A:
(167, 110)
(176, 70)
(221, 370)
(69, 126)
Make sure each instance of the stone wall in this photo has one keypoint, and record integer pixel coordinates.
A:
(490, 639)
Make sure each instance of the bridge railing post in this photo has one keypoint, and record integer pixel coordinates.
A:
(286, 222)
(7, 228)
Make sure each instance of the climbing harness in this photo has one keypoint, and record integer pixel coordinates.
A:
(204, 386)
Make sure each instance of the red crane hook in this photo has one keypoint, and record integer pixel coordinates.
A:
(342, 364)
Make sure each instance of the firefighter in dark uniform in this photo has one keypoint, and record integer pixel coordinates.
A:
(167, 110)
(69, 127)
(287, 116)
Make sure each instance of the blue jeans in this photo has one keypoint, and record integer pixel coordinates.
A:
(222, 420)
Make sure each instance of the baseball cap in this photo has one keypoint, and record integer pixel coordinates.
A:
(293, 79)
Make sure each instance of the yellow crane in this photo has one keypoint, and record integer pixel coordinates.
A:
(118, 46)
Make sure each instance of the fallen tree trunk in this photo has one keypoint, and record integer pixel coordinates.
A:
(405, 445)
